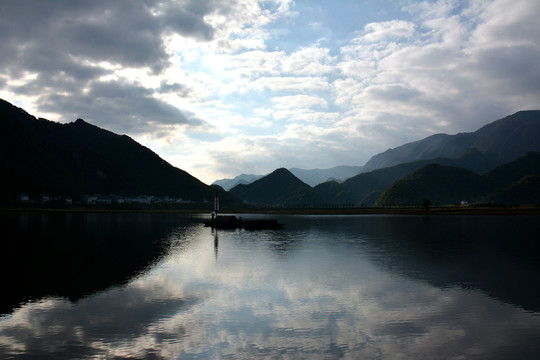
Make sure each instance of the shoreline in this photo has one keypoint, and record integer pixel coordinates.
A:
(434, 210)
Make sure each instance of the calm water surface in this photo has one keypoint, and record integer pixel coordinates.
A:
(162, 286)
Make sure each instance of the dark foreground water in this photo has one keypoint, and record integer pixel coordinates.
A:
(161, 286)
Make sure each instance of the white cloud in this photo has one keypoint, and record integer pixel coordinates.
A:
(299, 101)
(290, 84)
(308, 61)
(358, 68)
(388, 30)
(507, 23)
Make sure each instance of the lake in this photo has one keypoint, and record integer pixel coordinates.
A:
(162, 286)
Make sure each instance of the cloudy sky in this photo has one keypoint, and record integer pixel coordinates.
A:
(219, 88)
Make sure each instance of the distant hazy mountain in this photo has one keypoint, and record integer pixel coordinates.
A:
(280, 187)
(316, 176)
(511, 183)
(500, 142)
(228, 184)
(311, 177)
(42, 156)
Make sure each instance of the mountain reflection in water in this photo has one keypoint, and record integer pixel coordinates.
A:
(162, 286)
(73, 255)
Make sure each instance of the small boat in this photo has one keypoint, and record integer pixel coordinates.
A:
(232, 222)
(223, 222)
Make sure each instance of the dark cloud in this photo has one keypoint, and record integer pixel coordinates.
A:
(61, 43)
(125, 32)
(516, 66)
(393, 92)
(173, 88)
(187, 18)
(118, 106)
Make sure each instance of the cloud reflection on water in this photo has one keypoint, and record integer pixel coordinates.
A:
(318, 297)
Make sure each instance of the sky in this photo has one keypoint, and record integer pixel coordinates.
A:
(219, 88)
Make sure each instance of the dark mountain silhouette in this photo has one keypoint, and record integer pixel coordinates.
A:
(440, 184)
(280, 187)
(523, 191)
(311, 177)
(511, 183)
(472, 159)
(335, 193)
(356, 189)
(529, 164)
(365, 188)
(500, 141)
(516, 182)
(507, 139)
(42, 156)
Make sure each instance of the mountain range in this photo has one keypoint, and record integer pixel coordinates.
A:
(515, 182)
(500, 142)
(497, 143)
(228, 184)
(497, 163)
(41, 156)
(365, 188)
(311, 177)
(278, 188)
(410, 184)
(469, 159)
